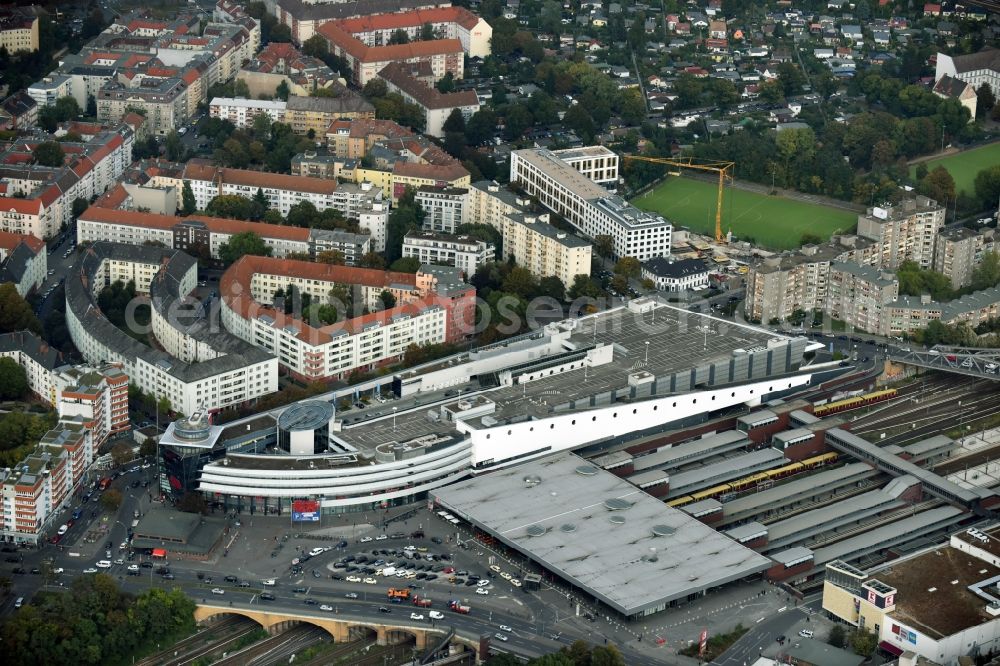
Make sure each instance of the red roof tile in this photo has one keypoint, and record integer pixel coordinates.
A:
(419, 17)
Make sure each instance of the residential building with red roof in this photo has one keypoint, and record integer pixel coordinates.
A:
(403, 78)
(447, 23)
(279, 62)
(23, 261)
(431, 307)
(38, 200)
(365, 62)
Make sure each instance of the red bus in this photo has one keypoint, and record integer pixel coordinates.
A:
(105, 482)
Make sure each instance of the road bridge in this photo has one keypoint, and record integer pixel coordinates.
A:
(969, 361)
(342, 629)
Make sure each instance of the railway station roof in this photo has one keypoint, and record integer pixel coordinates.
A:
(600, 533)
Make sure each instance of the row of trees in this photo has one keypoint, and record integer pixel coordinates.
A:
(94, 622)
(264, 144)
(580, 653)
(19, 434)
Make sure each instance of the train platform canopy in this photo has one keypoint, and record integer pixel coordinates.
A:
(690, 451)
(599, 533)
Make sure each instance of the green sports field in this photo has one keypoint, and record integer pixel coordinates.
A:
(964, 166)
(773, 222)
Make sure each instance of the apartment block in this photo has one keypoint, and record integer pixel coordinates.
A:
(589, 207)
(463, 252)
(415, 83)
(443, 207)
(315, 165)
(98, 396)
(904, 232)
(490, 203)
(305, 114)
(543, 249)
(857, 295)
(23, 261)
(189, 233)
(428, 310)
(18, 29)
(242, 112)
(958, 251)
(39, 486)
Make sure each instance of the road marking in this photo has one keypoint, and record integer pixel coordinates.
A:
(760, 620)
(783, 609)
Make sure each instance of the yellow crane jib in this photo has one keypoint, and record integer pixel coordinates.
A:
(723, 168)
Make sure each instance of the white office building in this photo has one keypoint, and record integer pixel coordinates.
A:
(588, 206)
(444, 207)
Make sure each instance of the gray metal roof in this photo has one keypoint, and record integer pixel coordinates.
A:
(822, 518)
(811, 483)
(932, 444)
(897, 532)
(748, 531)
(611, 562)
(760, 416)
(718, 472)
(648, 477)
(803, 418)
(672, 456)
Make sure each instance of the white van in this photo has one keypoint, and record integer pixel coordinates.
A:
(19, 602)
(63, 529)
(269, 582)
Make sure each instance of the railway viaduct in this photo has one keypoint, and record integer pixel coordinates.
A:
(342, 629)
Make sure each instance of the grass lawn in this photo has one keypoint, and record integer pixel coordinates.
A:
(964, 166)
(772, 222)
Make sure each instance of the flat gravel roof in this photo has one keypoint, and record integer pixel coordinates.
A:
(633, 559)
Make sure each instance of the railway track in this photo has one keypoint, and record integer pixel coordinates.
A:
(883, 519)
(197, 640)
(206, 650)
(274, 647)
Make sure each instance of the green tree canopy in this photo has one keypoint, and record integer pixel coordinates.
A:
(49, 153)
(15, 313)
(13, 380)
(241, 244)
(188, 203)
(405, 265)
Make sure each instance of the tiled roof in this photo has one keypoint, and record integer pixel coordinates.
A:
(242, 272)
(988, 58)
(220, 225)
(446, 173)
(343, 39)
(419, 17)
(399, 75)
(278, 181)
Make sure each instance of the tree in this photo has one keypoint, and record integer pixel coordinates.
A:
(578, 120)
(604, 245)
(234, 206)
(399, 36)
(388, 300)
(838, 636)
(552, 287)
(629, 267)
(111, 499)
(163, 405)
(521, 282)
(173, 146)
(938, 185)
(372, 260)
(79, 205)
(585, 286)
(302, 214)
(517, 120)
(335, 257)
(790, 77)
(455, 122)
(49, 153)
(282, 91)
(987, 273)
(987, 186)
(863, 642)
(405, 265)
(481, 127)
(446, 84)
(280, 33)
(241, 88)
(148, 447)
(13, 380)
(15, 313)
(986, 100)
(772, 92)
(427, 32)
(121, 453)
(809, 239)
(316, 46)
(241, 244)
(188, 203)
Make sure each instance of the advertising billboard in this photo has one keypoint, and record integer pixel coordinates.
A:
(305, 511)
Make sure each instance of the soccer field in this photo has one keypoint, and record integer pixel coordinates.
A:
(964, 166)
(772, 222)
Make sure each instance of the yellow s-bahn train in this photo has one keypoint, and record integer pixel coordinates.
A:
(751, 481)
(854, 403)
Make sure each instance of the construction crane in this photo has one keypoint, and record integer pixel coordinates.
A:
(724, 169)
